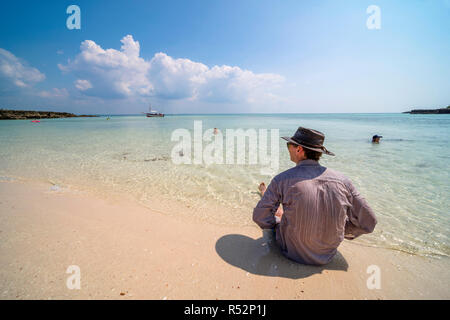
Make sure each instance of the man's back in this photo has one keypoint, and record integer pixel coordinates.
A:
(320, 207)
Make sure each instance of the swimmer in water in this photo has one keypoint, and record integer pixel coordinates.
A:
(376, 139)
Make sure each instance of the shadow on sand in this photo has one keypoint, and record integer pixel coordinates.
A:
(263, 257)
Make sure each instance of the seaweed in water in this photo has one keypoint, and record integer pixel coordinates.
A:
(163, 158)
(123, 156)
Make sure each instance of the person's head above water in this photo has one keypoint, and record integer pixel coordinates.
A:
(376, 139)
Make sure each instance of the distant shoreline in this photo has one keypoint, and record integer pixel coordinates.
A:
(6, 114)
(429, 111)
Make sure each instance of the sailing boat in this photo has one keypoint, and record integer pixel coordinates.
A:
(153, 113)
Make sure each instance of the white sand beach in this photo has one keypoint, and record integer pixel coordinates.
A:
(127, 251)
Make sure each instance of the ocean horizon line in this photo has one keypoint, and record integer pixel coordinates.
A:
(247, 113)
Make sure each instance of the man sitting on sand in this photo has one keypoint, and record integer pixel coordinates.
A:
(320, 206)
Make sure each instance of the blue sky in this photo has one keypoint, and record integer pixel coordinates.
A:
(225, 56)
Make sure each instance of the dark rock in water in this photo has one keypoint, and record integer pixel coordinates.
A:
(26, 114)
(124, 156)
(164, 158)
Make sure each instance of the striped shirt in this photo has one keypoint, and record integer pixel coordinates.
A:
(321, 207)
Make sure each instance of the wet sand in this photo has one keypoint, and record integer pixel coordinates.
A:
(127, 251)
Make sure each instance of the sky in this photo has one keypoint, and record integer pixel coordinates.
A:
(225, 56)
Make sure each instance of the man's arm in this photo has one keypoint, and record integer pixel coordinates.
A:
(263, 214)
(361, 218)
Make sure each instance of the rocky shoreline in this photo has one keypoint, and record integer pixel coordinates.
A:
(429, 111)
(27, 114)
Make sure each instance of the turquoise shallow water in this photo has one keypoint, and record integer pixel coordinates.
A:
(405, 178)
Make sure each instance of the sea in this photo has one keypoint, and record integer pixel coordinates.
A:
(175, 161)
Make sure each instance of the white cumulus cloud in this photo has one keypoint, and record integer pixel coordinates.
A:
(54, 93)
(111, 73)
(174, 78)
(233, 84)
(83, 84)
(15, 73)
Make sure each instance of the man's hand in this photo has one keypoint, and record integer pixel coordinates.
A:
(279, 214)
(262, 188)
